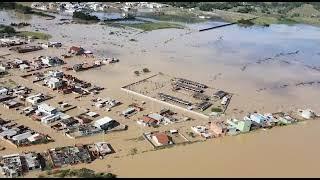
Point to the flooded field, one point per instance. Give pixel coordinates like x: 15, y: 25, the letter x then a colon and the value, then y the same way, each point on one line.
x: 266, y: 68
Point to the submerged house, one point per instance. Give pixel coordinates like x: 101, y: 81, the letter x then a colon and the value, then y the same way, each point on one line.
x: 241, y: 125
x: 106, y: 123
x: 76, y: 50
x: 307, y: 114
x: 161, y: 139
x: 257, y: 118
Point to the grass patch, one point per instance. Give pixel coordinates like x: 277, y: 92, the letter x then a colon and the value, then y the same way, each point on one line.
x: 23, y: 9
x: 150, y: 26
x: 36, y: 35
x: 78, y: 173
x: 216, y: 109
x: 176, y: 18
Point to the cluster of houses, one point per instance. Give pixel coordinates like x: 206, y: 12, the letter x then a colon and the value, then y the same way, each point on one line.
x: 66, y: 83
x: 102, y: 125
x: 164, y: 117
x: 9, y: 42
x: 107, y: 102
x: 32, y: 65
x: 79, y: 51
x: 51, y: 44
x: 71, y: 7
x: 17, y: 165
x: 161, y: 139
x: 149, y: 5
x: 250, y: 122
x: 19, y: 135
x: 25, y: 49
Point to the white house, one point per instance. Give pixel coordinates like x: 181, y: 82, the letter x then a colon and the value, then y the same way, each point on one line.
x: 3, y: 91
x: 102, y: 121
x: 47, y: 109
x: 56, y: 74
x: 35, y: 99
x: 54, y: 83
x: 307, y: 114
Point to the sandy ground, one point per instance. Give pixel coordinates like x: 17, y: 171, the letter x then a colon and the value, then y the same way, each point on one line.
x: 286, y: 152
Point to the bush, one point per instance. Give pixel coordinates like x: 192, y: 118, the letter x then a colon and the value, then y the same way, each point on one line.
x: 85, y: 16
x: 85, y: 173
x: 137, y: 73
x: 146, y: 70
x: 216, y: 110
x: 7, y: 29
x: 133, y: 151
x: 246, y: 10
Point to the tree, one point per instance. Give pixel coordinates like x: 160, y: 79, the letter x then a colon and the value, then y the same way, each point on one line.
x: 137, y: 73
x: 145, y: 70
x: 84, y: 16
x: 133, y: 151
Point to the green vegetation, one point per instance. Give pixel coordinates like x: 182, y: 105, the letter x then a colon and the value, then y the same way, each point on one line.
x: 79, y: 173
x: 150, y: 26
x: 85, y: 16
x: 268, y: 12
x: 184, y: 18
x: 22, y: 9
x: 244, y: 22
x: 7, y: 29
x: 216, y: 109
x: 36, y: 35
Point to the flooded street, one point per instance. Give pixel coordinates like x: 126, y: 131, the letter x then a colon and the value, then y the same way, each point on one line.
x: 253, y: 63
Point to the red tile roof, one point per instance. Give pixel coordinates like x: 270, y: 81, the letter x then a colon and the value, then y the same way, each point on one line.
x: 74, y: 48
x: 148, y: 119
x: 162, y: 138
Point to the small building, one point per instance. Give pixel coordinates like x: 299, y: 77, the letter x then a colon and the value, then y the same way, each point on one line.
x: 106, y: 123
x: 56, y: 74
x: 219, y: 128
x: 68, y: 122
x: 220, y: 94
x: 31, y: 161
x: 128, y: 111
x: 202, y: 131
x: 257, y: 118
x: 161, y: 139
x: 241, y: 125
x: 307, y: 114
x: 225, y: 100
x: 51, y: 61
x: 10, y: 104
x: 4, y: 91
x: 47, y: 109
x: 24, y: 67
x: 35, y: 99
x: 148, y: 121
x: 54, y: 83
x: 11, y: 166
x: 76, y: 50
x: 92, y: 114
x: 103, y: 148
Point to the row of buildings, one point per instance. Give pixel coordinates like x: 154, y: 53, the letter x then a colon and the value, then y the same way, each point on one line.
x: 19, y: 135
x: 16, y: 165
x: 250, y: 122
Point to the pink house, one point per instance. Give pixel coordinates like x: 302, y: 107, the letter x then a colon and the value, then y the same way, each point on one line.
x: 219, y: 128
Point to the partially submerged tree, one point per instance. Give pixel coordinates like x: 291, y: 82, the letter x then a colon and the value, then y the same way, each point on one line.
x: 137, y: 73
x: 145, y: 70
